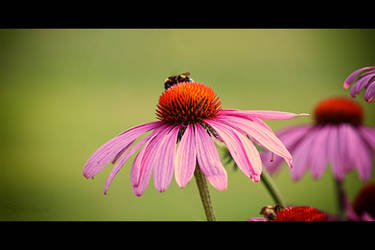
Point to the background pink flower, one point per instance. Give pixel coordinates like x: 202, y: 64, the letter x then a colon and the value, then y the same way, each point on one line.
x: 338, y: 138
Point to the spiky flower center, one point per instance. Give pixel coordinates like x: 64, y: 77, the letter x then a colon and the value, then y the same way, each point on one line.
x: 338, y: 110
x: 301, y: 214
x: 187, y: 103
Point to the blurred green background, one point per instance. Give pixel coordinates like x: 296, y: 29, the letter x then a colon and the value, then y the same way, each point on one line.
x: 65, y: 92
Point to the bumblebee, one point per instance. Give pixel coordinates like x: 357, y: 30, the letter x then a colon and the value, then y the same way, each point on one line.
x: 270, y: 212
x: 172, y: 80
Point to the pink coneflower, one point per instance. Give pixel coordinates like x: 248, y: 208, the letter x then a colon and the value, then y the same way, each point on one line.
x: 190, y: 118
x: 365, y: 81
x: 294, y: 213
x: 338, y: 138
x: 193, y: 110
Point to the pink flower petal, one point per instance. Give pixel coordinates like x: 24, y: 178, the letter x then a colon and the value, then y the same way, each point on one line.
x: 361, y: 154
x: 209, y: 159
x: 345, y: 152
x: 165, y: 160
x: 301, y: 156
x: 262, y: 135
x: 140, y: 172
x: 318, y: 152
x: 242, y: 150
x: 370, y: 92
x: 353, y: 75
x: 262, y: 114
x: 368, y: 134
x: 333, y: 151
x: 186, y: 157
x: 290, y: 137
x: 104, y: 154
x: 127, y: 155
x: 361, y: 83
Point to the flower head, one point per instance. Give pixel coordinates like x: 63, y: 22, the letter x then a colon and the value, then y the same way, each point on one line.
x: 190, y: 119
x: 294, y: 213
x: 337, y: 137
x: 365, y: 81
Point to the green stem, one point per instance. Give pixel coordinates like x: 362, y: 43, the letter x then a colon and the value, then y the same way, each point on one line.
x: 204, y: 194
x: 271, y: 188
x: 340, y: 192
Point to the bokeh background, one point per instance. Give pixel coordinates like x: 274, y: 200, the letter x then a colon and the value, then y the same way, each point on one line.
x: 64, y: 92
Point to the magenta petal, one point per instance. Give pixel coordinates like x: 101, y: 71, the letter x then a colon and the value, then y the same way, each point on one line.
x: 140, y: 172
x: 353, y: 75
x: 290, y: 137
x: 333, y: 151
x: 361, y: 154
x: 241, y: 149
x: 370, y: 92
x: 368, y: 134
x: 262, y: 135
x: 346, y: 153
x: 262, y: 114
x: 127, y: 155
x: 185, y: 157
x: 165, y: 160
x: 301, y: 156
x: 209, y: 159
x: 104, y: 154
x: 361, y: 83
x: 318, y: 152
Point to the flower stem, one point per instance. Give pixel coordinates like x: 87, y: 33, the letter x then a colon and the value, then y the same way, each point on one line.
x: 340, y: 192
x: 204, y: 194
x: 270, y: 186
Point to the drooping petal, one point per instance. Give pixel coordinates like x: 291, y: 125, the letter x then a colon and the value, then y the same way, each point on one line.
x: 318, y: 152
x: 344, y: 150
x: 242, y: 150
x: 209, y: 159
x: 186, y: 157
x: 140, y: 172
x: 104, y: 154
x: 361, y: 154
x: 301, y: 156
x: 333, y: 151
x: 290, y: 137
x: 262, y: 135
x: 361, y: 83
x: 368, y: 134
x: 262, y: 114
x: 165, y: 160
x: 370, y: 92
x: 127, y: 155
x: 353, y: 75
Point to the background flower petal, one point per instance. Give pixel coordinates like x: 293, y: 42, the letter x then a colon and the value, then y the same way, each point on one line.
x: 353, y: 75
x: 370, y: 92
x: 318, y: 151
